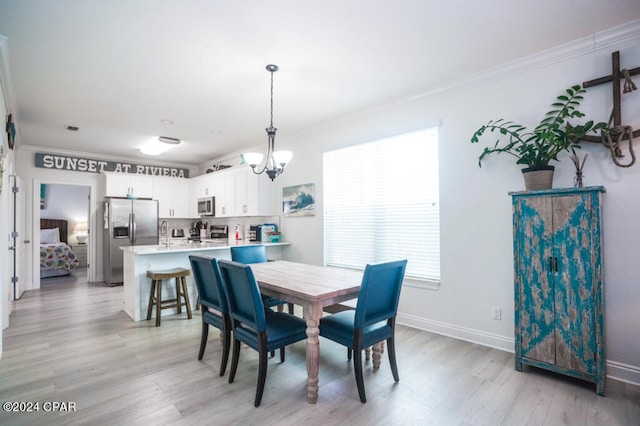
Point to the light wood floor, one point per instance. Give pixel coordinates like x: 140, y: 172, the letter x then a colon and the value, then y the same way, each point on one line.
x: 71, y: 342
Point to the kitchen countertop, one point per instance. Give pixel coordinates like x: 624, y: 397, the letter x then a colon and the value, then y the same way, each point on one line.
x: 195, y: 246
x: 137, y: 260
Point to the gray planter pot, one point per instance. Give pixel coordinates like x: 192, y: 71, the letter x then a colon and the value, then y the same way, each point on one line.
x: 539, y: 177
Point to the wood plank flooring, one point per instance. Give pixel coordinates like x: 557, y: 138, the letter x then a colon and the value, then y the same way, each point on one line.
x: 70, y: 341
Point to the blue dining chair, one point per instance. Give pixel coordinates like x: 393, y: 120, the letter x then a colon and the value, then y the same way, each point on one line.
x: 374, y: 318
x: 215, y: 308
x: 257, y: 254
x: 261, y: 329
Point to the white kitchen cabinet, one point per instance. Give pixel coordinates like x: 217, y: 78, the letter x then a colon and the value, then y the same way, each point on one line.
x: 254, y: 193
x: 238, y: 192
x: 224, y: 191
x: 172, y: 195
x: 201, y: 186
x: 126, y: 184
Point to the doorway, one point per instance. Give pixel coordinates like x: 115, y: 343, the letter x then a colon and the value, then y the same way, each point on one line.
x: 71, y: 203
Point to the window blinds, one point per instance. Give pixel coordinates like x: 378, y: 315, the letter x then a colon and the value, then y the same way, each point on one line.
x: 381, y: 203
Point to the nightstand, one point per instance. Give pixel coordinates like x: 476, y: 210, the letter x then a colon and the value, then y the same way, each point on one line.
x: 81, y: 253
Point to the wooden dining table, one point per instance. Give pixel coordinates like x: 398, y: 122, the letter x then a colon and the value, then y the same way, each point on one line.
x: 312, y: 287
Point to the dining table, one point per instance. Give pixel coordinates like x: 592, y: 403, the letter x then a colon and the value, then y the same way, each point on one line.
x: 313, y: 287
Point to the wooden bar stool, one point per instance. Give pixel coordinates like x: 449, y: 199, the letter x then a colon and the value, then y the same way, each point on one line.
x: 155, y: 295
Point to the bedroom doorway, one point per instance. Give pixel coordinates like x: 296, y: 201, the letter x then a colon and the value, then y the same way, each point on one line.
x: 70, y: 203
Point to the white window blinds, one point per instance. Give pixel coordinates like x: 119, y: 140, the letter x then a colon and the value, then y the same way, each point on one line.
x: 381, y: 203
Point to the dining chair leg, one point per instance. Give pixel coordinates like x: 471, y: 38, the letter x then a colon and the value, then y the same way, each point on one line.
x: 225, y: 348
x: 357, y: 368
x: 349, y: 352
x: 234, y: 360
x: 262, y: 375
x: 391, y: 348
x: 203, y: 338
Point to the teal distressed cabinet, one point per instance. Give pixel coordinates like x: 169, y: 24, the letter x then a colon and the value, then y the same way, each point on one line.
x: 559, y: 307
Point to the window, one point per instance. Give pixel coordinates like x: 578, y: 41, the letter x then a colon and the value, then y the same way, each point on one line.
x: 381, y: 203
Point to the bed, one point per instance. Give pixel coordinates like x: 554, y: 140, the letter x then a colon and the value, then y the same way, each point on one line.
x: 56, y: 256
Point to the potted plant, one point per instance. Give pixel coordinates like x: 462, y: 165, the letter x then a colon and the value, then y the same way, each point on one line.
x: 535, y: 149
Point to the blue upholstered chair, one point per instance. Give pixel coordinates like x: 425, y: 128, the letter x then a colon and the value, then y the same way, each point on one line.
x: 374, y: 318
x: 261, y: 329
x: 256, y: 254
x: 215, y: 308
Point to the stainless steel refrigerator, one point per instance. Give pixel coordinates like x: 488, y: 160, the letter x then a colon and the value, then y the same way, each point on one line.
x: 126, y: 223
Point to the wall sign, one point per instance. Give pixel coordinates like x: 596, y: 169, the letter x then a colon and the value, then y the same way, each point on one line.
x: 79, y: 164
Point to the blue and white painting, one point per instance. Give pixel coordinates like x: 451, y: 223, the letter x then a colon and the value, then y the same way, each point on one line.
x: 299, y: 200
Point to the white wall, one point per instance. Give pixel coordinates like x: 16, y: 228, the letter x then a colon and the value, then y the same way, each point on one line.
x: 476, y: 233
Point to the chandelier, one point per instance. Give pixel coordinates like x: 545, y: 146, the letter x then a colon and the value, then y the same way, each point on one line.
x: 276, y: 160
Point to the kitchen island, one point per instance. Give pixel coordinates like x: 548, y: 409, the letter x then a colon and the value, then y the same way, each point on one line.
x: 138, y: 259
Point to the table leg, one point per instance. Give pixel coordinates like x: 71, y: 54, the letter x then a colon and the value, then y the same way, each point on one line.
x: 312, y: 315
x: 377, y: 351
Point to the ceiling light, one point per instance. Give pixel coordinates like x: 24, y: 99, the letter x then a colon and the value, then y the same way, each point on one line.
x: 157, y: 147
x: 276, y: 161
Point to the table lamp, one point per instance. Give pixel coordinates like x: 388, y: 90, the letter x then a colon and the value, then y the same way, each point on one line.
x: 80, y: 232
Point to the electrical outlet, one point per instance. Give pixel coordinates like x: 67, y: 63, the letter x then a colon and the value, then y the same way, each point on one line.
x: 496, y: 313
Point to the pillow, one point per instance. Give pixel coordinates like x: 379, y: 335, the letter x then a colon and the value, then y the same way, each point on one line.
x: 49, y: 236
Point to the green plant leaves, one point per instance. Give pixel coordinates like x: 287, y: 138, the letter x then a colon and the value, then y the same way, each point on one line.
x: 549, y: 138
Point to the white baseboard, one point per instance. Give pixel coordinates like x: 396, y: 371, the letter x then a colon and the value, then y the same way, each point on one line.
x: 615, y: 370
x: 623, y: 372
x: 462, y: 333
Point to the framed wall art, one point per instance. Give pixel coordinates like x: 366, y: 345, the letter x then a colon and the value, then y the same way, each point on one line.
x: 299, y: 200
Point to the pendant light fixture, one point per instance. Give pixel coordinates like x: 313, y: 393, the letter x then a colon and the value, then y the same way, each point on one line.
x: 276, y: 160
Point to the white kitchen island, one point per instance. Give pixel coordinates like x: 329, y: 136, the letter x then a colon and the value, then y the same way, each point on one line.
x: 138, y: 259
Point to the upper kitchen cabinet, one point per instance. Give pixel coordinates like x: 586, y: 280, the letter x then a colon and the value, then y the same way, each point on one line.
x: 126, y: 184
x: 237, y: 191
x: 255, y: 193
x: 173, y: 197
x: 201, y: 186
x: 224, y: 193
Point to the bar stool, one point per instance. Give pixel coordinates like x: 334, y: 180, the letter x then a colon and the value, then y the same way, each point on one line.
x: 155, y: 295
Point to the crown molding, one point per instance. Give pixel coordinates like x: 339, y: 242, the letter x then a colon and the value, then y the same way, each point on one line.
x: 561, y: 53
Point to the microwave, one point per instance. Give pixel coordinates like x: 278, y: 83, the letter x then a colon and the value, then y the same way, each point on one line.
x: 207, y: 206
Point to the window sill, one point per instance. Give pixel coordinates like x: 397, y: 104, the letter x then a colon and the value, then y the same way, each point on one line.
x: 421, y: 284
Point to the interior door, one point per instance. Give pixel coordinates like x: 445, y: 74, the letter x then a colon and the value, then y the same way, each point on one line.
x: 17, y: 247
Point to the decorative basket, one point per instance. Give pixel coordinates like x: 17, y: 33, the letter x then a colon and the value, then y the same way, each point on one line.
x: 274, y: 237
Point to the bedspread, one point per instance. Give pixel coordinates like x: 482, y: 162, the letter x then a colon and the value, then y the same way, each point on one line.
x: 57, y: 256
